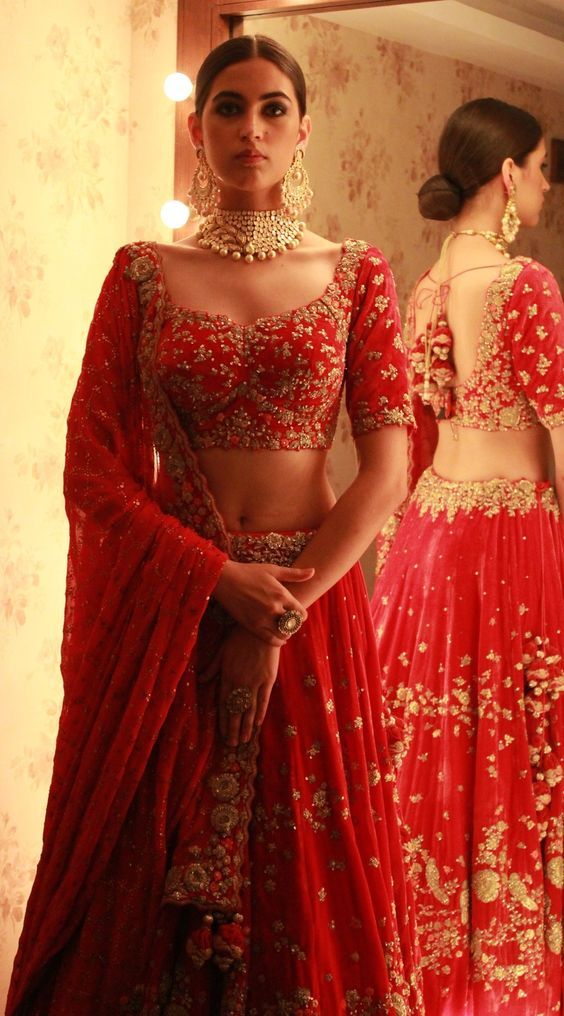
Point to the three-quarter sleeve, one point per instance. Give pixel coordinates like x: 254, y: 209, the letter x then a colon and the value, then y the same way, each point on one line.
x: 536, y: 320
x: 376, y: 373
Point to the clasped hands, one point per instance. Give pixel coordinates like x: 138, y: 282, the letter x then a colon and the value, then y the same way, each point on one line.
x: 247, y: 661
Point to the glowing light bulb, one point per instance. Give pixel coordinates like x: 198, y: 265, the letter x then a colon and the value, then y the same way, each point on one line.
x: 175, y: 214
x: 177, y: 86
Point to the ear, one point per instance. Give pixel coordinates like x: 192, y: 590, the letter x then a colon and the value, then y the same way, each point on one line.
x: 304, y: 132
x: 195, y: 130
x: 508, y: 168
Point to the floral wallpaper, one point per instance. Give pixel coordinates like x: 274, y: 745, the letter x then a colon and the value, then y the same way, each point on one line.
x: 378, y: 108
x: 87, y: 162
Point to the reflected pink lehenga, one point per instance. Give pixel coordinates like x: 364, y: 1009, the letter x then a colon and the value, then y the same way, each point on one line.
x: 179, y: 877
x: 469, y: 617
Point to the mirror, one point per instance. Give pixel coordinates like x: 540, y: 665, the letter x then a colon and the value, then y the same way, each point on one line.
x: 382, y: 80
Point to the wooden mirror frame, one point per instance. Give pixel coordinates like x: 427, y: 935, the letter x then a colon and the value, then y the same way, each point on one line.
x: 202, y: 24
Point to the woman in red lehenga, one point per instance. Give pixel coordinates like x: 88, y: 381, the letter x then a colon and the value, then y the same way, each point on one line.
x: 469, y: 608
x: 191, y: 864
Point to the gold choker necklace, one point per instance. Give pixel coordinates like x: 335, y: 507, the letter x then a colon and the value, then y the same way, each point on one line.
x: 249, y: 235
x: 498, y: 240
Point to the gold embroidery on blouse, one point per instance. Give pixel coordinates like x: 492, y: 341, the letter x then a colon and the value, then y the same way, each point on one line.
x: 276, y: 383
x: 493, y: 397
x: 434, y: 495
x: 193, y: 503
x: 490, y: 399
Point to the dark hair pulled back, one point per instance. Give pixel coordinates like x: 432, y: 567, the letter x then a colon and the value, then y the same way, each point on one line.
x: 247, y: 47
x: 475, y: 141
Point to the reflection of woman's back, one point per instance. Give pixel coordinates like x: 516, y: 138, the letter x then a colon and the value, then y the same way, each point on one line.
x: 185, y: 871
x: 468, y: 607
x: 467, y: 311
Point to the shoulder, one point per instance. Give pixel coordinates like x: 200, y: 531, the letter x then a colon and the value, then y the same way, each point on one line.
x: 136, y: 273
x: 367, y: 265
x: 365, y: 252
x: 532, y: 279
x: 137, y: 261
x: 534, y: 271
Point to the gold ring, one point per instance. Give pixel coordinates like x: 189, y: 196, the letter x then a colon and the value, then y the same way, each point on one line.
x: 289, y: 622
x: 238, y: 701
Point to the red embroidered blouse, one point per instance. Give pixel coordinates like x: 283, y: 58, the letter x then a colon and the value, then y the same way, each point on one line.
x: 518, y: 378
x: 277, y: 383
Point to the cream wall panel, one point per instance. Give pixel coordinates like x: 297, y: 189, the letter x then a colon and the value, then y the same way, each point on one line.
x: 87, y: 161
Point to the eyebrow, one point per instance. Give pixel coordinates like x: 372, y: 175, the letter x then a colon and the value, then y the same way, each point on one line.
x: 237, y: 95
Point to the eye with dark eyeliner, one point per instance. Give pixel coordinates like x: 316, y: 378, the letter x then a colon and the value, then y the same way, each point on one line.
x: 274, y: 109
x: 227, y: 107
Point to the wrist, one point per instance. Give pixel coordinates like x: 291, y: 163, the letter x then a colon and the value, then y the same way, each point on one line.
x: 224, y: 580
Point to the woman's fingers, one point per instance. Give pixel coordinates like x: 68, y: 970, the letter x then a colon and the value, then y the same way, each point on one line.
x: 293, y: 574
x: 255, y: 596
x: 263, y: 698
x: 248, y: 672
x: 239, y: 728
x: 236, y: 713
x: 248, y: 724
x: 232, y: 732
x: 268, y: 635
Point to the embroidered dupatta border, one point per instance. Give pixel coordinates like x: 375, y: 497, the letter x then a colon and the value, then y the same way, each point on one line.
x: 169, y: 446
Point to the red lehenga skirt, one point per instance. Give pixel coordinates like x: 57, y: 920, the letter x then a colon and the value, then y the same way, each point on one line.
x: 295, y: 838
x: 469, y: 617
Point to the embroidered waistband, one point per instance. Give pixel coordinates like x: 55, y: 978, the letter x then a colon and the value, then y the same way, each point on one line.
x: 434, y: 494
x: 276, y: 548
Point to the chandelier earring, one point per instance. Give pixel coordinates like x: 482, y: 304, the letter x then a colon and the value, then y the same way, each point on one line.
x: 510, y: 221
x: 296, y: 191
x: 203, y: 194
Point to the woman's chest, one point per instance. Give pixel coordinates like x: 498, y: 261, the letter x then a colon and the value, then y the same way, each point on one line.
x: 306, y: 347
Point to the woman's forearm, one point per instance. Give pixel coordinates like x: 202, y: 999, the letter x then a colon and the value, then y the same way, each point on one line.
x: 350, y: 526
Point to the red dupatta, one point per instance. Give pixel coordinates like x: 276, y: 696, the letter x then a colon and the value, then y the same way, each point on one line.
x: 139, y: 582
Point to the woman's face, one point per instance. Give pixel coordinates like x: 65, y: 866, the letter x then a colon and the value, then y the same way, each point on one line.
x: 531, y: 185
x: 249, y: 128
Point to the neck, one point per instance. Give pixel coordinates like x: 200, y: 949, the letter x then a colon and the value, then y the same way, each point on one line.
x: 490, y: 223
x: 250, y: 201
x: 490, y: 235
x: 250, y: 234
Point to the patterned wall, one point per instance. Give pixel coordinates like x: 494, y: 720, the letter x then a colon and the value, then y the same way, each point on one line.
x: 87, y: 161
x: 378, y: 108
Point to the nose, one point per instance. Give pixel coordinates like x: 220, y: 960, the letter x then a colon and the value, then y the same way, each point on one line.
x: 251, y: 129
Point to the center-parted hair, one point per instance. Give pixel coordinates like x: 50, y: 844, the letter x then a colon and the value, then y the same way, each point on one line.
x: 248, y: 47
x: 475, y: 141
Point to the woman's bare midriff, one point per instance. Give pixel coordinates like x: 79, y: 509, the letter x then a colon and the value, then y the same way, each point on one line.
x: 268, y: 491
x: 465, y: 453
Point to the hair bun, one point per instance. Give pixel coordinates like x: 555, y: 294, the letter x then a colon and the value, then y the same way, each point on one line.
x: 440, y: 198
